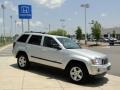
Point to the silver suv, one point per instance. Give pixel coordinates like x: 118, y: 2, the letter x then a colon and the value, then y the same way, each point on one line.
x: 60, y: 52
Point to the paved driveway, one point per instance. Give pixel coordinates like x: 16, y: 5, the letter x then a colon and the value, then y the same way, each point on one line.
x: 39, y: 77
x: 6, y: 52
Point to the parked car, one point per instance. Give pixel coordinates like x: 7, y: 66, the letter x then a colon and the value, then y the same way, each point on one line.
x: 113, y: 41
x: 60, y: 52
x: 106, y: 39
x: 76, y: 41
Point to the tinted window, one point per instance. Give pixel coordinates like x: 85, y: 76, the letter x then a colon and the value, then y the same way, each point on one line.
x: 49, y: 42
x: 36, y: 40
x: 23, y: 38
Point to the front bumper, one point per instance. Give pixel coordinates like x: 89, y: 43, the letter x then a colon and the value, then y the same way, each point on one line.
x: 99, y: 69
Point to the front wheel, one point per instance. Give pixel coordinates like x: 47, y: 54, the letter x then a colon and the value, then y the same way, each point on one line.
x: 23, y: 62
x: 77, y: 73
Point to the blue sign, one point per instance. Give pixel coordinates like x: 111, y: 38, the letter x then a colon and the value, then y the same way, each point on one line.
x: 25, y: 11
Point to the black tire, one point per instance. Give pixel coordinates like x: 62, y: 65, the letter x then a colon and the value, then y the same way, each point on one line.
x: 84, y: 70
x: 26, y: 62
x: 111, y: 44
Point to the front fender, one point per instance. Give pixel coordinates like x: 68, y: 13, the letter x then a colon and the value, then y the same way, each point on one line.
x: 78, y: 58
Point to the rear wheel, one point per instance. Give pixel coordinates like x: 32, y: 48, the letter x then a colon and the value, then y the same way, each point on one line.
x: 23, y: 62
x: 77, y: 73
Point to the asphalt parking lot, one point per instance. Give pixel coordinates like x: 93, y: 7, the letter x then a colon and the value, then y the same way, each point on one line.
x: 40, y: 77
x: 113, y: 52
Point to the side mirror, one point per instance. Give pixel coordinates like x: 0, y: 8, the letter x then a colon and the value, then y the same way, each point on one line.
x: 57, y: 46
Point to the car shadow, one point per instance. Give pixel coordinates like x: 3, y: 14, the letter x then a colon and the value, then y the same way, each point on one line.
x: 115, y: 45
x: 54, y: 73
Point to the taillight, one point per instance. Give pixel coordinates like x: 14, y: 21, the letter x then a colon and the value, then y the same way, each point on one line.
x: 14, y: 44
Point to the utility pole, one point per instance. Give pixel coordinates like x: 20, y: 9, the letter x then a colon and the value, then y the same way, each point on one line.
x: 85, y: 6
x: 3, y: 8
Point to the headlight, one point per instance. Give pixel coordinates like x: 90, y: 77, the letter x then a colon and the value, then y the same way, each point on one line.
x: 97, y: 61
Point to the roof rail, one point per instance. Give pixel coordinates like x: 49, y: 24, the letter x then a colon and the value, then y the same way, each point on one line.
x: 35, y: 32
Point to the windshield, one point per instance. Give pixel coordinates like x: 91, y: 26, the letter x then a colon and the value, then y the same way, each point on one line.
x: 68, y: 43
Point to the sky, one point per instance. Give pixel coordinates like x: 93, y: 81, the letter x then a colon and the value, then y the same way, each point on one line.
x: 45, y: 12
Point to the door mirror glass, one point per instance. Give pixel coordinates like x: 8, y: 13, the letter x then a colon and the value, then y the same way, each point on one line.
x: 57, y: 46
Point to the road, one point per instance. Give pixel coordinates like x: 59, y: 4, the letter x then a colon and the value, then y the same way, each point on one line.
x: 112, y: 52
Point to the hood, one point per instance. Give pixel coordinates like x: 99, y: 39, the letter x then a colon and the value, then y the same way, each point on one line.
x: 87, y: 53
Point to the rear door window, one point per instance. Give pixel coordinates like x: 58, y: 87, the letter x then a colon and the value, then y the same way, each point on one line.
x: 35, y: 40
x: 23, y: 38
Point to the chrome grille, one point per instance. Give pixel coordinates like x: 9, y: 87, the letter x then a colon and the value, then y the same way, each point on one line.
x: 105, y: 61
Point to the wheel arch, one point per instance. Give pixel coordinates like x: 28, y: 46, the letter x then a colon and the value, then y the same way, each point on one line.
x: 76, y: 62
x: 21, y: 52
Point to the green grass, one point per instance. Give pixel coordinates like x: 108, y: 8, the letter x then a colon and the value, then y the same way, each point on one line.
x: 8, y: 41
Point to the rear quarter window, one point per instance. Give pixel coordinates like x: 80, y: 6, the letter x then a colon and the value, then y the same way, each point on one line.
x: 23, y: 38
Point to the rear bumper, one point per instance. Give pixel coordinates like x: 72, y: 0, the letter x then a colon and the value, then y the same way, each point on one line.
x: 100, y: 69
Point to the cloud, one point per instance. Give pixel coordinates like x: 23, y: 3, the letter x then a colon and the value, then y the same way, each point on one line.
x: 18, y: 23
x: 103, y: 15
x: 36, y: 24
x: 10, y: 6
x: 50, y: 3
x: 76, y: 13
x: 69, y: 19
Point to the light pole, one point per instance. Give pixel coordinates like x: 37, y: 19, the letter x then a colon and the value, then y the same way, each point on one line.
x: 91, y: 23
x: 15, y: 26
x: 49, y: 27
x: 11, y: 29
x: 62, y: 24
x: 85, y: 6
x: 3, y: 8
x: 23, y: 21
x: 22, y: 25
x: 28, y: 25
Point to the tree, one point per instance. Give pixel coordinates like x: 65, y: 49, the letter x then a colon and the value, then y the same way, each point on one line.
x: 114, y: 34
x: 78, y: 33
x: 59, y: 32
x: 96, y: 30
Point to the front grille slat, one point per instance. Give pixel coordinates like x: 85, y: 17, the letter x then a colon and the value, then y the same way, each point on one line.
x: 104, y: 61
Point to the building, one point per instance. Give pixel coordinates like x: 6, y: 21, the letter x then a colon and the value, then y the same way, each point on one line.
x: 108, y: 32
